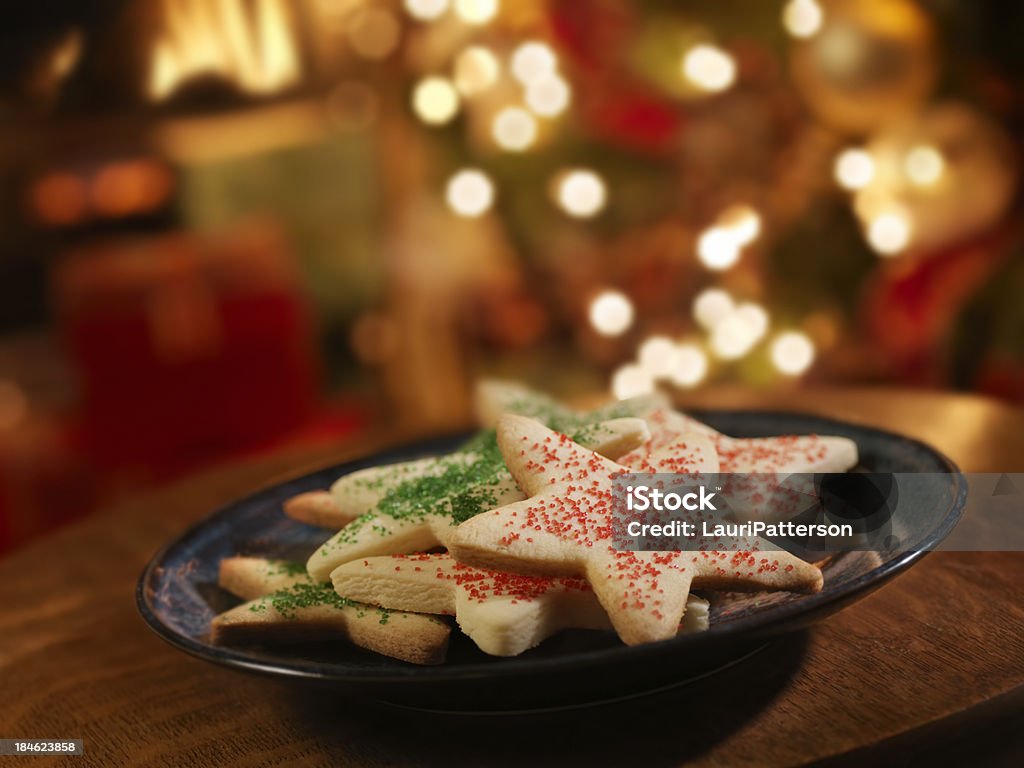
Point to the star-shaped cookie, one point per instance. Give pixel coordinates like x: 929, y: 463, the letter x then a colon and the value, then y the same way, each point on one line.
x: 765, y: 478
x: 422, y: 511
x: 360, y: 493
x: 503, y: 613
x: 494, y: 398
x: 565, y: 527
x: 286, y: 606
x: 784, y: 454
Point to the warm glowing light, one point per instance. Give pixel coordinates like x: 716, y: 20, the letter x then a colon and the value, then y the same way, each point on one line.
x: 374, y: 33
x: 533, y: 61
x: 802, y: 18
x: 735, y: 334
x: 872, y: 201
x: 711, y: 306
x: 276, y: 63
x: 59, y: 198
x: 581, y: 193
x: 631, y: 381
x: 743, y: 222
x: 889, y: 233
x: 252, y: 45
x: 13, y: 404
x: 709, y: 68
x: 792, y: 353
x: 755, y: 318
x: 657, y: 356
x: 689, y: 365
x: 548, y: 96
x: 720, y: 245
x: 435, y: 100
x: 425, y: 10
x: 470, y: 193
x: 130, y: 187
x: 611, y: 313
x: 66, y: 55
x: 732, y: 338
x: 854, y: 169
x: 476, y: 11
x: 924, y: 165
x: 718, y: 248
x: 515, y: 129
x: 476, y: 70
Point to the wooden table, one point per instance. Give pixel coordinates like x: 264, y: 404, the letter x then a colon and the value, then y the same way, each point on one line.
x: 934, y: 661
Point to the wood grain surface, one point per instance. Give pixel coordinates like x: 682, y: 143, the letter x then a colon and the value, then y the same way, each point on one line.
x: 930, y: 660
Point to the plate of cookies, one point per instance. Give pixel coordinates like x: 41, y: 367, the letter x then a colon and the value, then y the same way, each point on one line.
x: 478, y: 573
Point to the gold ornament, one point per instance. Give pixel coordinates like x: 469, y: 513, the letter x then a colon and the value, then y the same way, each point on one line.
x: 871, y: 61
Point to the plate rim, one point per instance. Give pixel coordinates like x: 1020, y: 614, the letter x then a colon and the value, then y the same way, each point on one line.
x: 757, y: 625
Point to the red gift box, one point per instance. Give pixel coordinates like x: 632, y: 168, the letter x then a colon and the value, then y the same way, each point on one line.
x: 188, y: 347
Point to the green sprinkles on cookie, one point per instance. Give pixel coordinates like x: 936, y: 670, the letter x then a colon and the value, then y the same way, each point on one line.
x: 288, y: 600
x: 446, y: 491
x: 462, y: 489
x: 285, y: 568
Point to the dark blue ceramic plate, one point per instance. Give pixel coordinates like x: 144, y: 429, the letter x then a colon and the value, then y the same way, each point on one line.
x: 178, y: 596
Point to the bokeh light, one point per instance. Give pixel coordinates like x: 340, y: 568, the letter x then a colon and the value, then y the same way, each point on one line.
x: 657, y: 356
x: 743, y: 222
x: 718, y: 248
x: 709, y: 68
x: 59, y: 198
x: 737, y: 333
x: 476, y: 11
x: 792, y: 353
x: 476, y: 70
x: 533, y: 61
x: 514, y: 129
x: 435, y: 100
x: 426, y: 10
x: 802, y: 18
x: 470, y: 193
x: 548, y: 96
x: 689, y: 365
x: 854, y: 169
x: 711, y: 306
x: 130, y: 187
x: 756, y: 319
x: 631, y: 381
x: 611, y: 313
x: 581, y: 193
x: 924, y: 165
x: 889, y: 233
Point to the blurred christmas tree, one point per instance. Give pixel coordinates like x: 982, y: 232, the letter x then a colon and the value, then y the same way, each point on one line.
x: 745, y: 191
x: 754, y: 191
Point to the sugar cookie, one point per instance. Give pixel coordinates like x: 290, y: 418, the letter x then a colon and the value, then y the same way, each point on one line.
x: 317, y: 508
x: 252, y: 577
x: 565, y: 525
x: 495, y: 397
x: 784, y: 454
x: 504, y: 614
x: 766, y: 478
x: 421, y: 511
x: 298, y: 610
x: 359, y: 493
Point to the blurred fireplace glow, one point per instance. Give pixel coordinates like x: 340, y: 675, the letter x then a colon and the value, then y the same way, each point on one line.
x: 251, y: 45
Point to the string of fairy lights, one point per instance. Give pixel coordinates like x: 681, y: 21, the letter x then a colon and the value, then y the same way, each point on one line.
x: 729, y: 329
